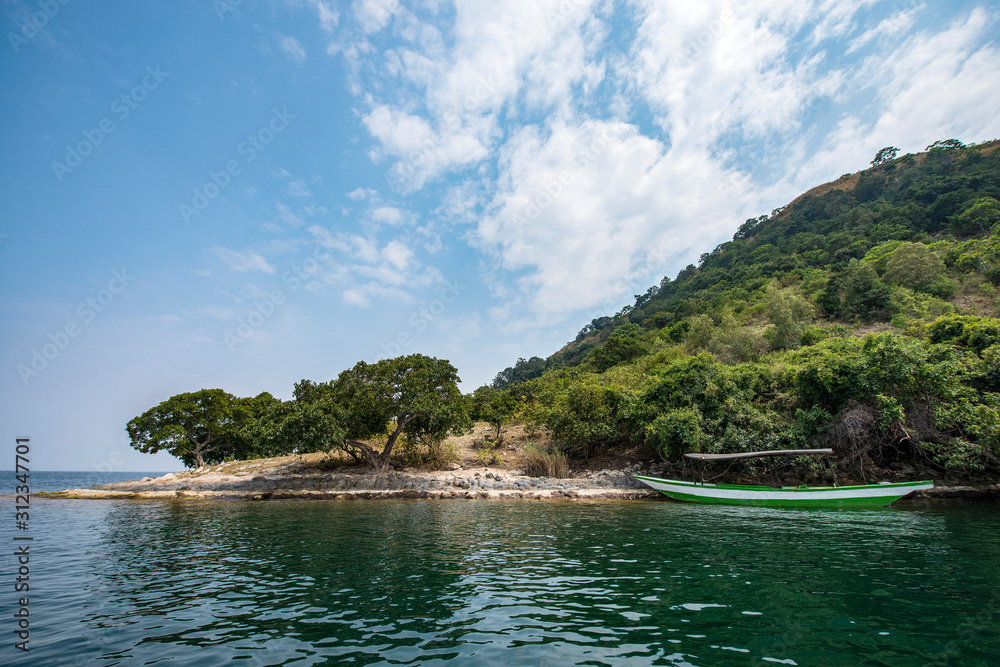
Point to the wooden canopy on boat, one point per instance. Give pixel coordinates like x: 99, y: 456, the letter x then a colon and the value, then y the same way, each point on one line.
x: 751, y: 455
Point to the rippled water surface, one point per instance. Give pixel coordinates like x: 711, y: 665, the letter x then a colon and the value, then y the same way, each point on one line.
x: 512, y: 583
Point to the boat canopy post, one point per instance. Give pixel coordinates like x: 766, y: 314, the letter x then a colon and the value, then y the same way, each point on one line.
x: 832, y: 471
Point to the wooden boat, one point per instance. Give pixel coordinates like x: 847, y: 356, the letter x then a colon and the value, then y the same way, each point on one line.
x: 861, y: 495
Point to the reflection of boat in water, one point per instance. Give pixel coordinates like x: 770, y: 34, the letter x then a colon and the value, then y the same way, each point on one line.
x: 861, y: 495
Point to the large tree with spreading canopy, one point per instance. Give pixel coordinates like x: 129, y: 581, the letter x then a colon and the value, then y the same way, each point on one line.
x: 415, y: 396
x: 196, y: 427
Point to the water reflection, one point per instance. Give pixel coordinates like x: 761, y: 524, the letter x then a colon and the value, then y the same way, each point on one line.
x: 421, y: 582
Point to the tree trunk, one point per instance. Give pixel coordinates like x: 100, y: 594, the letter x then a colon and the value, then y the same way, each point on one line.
x: 383, y: 459
x: 380, y: 461
x: 199, y: 447
x: 370, y: 454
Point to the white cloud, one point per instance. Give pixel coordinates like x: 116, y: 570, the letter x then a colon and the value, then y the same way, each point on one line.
x: 293, y: 48
x: 372, y: 269
x: 707, y: 70
x: 489, y: 108
x: 298, y: 189
x: 328, y: 16
x: 326, y: 11
x: 243, y: 260
x: 397, y: 254
x: 287, y: 216
x: 591, y: 209
x: 389, y: 215
x: 896, y: 24
x: 359, y: 194
x: 521, y: 53
x: 373, y: 15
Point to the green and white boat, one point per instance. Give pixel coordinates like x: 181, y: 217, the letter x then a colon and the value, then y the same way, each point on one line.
x: 861, y: 495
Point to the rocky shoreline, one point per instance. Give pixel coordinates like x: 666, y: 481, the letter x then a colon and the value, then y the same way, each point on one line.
x: 253, y: 481
x: 318, y: 485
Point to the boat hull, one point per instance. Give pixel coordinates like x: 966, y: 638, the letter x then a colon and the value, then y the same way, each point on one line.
x: 867, y: 495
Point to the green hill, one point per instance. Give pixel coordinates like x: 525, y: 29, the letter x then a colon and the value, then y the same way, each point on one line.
x: 862, y: 316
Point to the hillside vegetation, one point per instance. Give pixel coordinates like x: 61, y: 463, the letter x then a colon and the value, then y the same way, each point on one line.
x: 860, y: 316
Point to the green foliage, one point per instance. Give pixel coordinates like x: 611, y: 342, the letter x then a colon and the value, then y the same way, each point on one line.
x: 199, y: 428
x: 494, y: 407
x: 489, y: 456
x: 310, y: 423
x: 732, y: 343
x: 522, y: 371
x: 676, y: 432
x: 677, y: 331
x: 976, y: 333
x: 539, y: 462
x: 865, y: 297
x: 980, y: 218
x: 701, y: 332
x: 623, y: 345
x: 885, y: 155
x: 413, y: 395
x: 914, y: 265
x: 585, y: 416
x: 790, y: 314
x: 946, y: 144
x: 878, y: 256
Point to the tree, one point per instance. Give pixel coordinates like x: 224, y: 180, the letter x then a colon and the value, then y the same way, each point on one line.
x: 980, y: 217
x: 494, y: 407
x: 584, y: 416
x: 624, y: 344
x: 524, y: 370
x: 195, y: 427
x: 310, y: 423
x: 258, y: 417
x: 866, y: 297
x: 913, y: 265
x: 946, y: 144
x: 790, y: 314
x: 887, y: 154
x: 413, y: 395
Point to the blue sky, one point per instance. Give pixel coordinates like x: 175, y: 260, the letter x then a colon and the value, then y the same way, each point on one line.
x: 242, y: 194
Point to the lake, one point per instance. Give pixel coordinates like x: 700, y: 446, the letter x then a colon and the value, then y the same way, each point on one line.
x: 504, y: 582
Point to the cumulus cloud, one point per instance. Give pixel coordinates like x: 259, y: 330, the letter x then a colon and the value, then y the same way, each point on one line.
x: 585, y: 211
x: 373, y: 15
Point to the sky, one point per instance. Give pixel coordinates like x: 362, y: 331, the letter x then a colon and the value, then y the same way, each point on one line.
x: 245, y: 193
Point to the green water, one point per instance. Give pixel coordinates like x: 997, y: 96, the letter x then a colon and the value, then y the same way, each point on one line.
x: 511, y: 583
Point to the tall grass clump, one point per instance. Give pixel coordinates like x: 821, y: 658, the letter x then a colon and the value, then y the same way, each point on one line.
x: 541, y: 463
